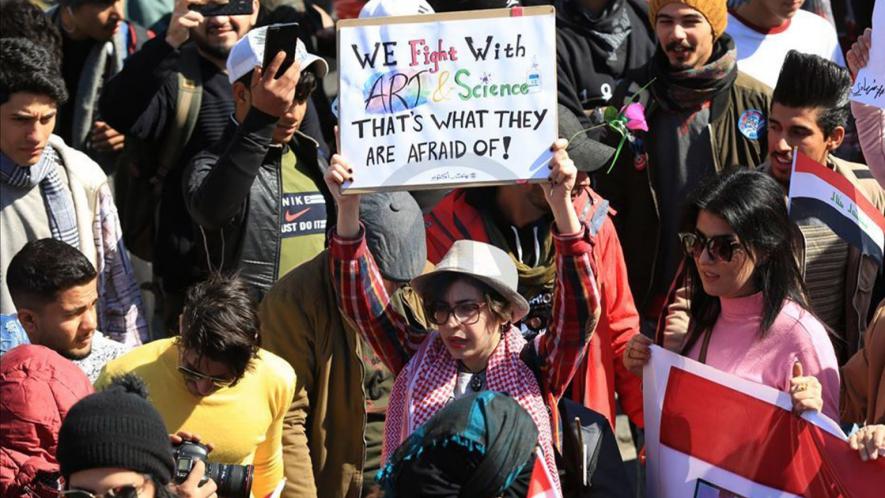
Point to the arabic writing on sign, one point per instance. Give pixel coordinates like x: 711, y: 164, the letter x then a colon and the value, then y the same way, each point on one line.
x: 836, y: 199
x: 453, y: 176
x: 871, y: 88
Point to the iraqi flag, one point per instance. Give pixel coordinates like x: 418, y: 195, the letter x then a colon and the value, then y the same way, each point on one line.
x: 541, y: 483
x: 817, y: 192
x: 710, y: 434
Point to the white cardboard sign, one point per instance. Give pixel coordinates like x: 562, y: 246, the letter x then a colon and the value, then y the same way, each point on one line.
x: 672, y: 473
x: 869, y: 85
x: 450, y: 99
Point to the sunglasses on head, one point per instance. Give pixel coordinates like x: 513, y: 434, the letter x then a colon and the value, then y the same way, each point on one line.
x: 125, y: 491
x: 719, y: 247
x: 195, y: 376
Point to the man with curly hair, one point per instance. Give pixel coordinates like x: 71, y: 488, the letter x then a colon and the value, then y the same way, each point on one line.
x: 51, y: 190
x: 23, y: 19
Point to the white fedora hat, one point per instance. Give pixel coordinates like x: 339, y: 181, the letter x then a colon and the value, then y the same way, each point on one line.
x: 486, y: 263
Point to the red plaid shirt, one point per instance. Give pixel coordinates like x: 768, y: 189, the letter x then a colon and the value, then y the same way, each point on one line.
x: 363, y: 298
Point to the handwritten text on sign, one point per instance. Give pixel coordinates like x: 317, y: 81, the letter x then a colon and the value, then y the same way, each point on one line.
x: 445, y: 102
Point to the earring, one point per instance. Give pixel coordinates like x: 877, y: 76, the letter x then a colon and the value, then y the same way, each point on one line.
x: 68, y: 29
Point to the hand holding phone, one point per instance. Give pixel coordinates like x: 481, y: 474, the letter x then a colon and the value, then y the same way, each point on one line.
x: 183, y: 19
x: 280, y: 38
x: 272, y: 95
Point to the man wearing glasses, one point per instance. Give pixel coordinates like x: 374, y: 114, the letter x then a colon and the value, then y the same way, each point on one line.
x: 214, y: 380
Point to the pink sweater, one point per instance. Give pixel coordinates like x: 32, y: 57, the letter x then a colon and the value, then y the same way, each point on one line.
x: 871, y: 132
x: 736, y: 347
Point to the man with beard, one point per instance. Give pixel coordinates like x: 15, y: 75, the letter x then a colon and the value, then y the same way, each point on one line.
x: 96, y: 41
x: 142, y: 101
x: 703, y: 116
x: 597, y: 42
x: 54, y: 288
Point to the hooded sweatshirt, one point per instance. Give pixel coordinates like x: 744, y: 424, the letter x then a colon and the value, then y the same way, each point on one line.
x: 594, y: 52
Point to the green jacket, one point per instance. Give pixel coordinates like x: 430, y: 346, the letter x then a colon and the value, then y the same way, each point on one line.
x: 631, y: 190
x: 324, y: 442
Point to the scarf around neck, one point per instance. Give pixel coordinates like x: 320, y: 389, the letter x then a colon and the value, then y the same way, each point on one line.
x: 56, y: 196
x: 609, y: 30
x: 533, y: 280
x: 427, y: 383
x: 688, y: 89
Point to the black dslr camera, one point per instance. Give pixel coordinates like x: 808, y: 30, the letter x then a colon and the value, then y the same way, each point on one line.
x: 233, y: 481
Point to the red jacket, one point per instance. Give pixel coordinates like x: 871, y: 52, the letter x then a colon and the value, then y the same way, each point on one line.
x: 602, y: 372
x: 37, y: 388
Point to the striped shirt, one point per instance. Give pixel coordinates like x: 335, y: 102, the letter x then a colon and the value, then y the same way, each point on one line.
x: 826, y: 260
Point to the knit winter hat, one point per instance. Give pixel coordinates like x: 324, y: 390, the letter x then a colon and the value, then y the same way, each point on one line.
x: 116, y: 427
x: 715, y: 11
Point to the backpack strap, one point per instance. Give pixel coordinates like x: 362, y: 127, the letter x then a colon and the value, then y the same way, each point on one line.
x: 187, y: 109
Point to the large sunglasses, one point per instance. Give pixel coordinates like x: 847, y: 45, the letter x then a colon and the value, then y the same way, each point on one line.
x: 467, y: 312
x: 720, y: 247
x: 195, y: 376
x: 126, y: 491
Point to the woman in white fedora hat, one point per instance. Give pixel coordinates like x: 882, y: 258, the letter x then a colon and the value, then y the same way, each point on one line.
x: 472, y: 301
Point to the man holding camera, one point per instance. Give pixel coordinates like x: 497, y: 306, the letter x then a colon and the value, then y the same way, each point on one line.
x: 257, y: 196
x: 216, y: 381
x: 114, y: 443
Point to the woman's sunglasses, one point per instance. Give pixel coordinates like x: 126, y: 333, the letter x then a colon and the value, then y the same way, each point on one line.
x: 720, y: 247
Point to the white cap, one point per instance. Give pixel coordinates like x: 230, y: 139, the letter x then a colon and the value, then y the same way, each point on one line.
x: 385, y: 8
x: 249, y: 52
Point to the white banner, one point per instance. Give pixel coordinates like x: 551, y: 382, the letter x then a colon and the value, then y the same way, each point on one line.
x: 443, y: 100
x: 712, y: 434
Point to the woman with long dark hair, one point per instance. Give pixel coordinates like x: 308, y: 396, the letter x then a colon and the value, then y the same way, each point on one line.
x: 749, y: 313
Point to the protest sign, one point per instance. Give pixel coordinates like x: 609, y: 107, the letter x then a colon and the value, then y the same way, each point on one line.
x: 712, y: 434
x: 869, y: 85
x: 466, y: 98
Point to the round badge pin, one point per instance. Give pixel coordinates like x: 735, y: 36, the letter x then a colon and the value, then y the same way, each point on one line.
x: 640, y: 161
x: 751, y: 123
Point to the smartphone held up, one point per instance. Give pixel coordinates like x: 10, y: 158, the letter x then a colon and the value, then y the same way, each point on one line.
x: 280, y: 38
x: 224, y: 8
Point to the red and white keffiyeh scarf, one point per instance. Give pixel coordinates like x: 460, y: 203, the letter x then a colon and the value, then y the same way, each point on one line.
x: 427, y: 384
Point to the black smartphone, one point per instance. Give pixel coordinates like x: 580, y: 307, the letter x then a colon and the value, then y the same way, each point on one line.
x: 231, y: 8
x: 280, y: 38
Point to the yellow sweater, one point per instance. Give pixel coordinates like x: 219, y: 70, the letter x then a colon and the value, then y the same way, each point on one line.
x: 244, y: 422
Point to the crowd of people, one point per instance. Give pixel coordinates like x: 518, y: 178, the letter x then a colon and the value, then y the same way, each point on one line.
x: 160, y: 314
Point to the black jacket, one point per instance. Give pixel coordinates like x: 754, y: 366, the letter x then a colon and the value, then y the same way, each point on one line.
x: 141, y: 102
x: 233, y: 192
x: 584, y: 79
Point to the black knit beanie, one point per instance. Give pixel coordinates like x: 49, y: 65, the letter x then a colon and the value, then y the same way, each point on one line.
x: 117, y: 427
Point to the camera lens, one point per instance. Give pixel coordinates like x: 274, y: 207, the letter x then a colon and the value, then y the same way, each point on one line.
x: 233, y: 481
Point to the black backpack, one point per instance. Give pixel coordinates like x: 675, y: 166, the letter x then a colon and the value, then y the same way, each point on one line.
x: 143, y: 165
